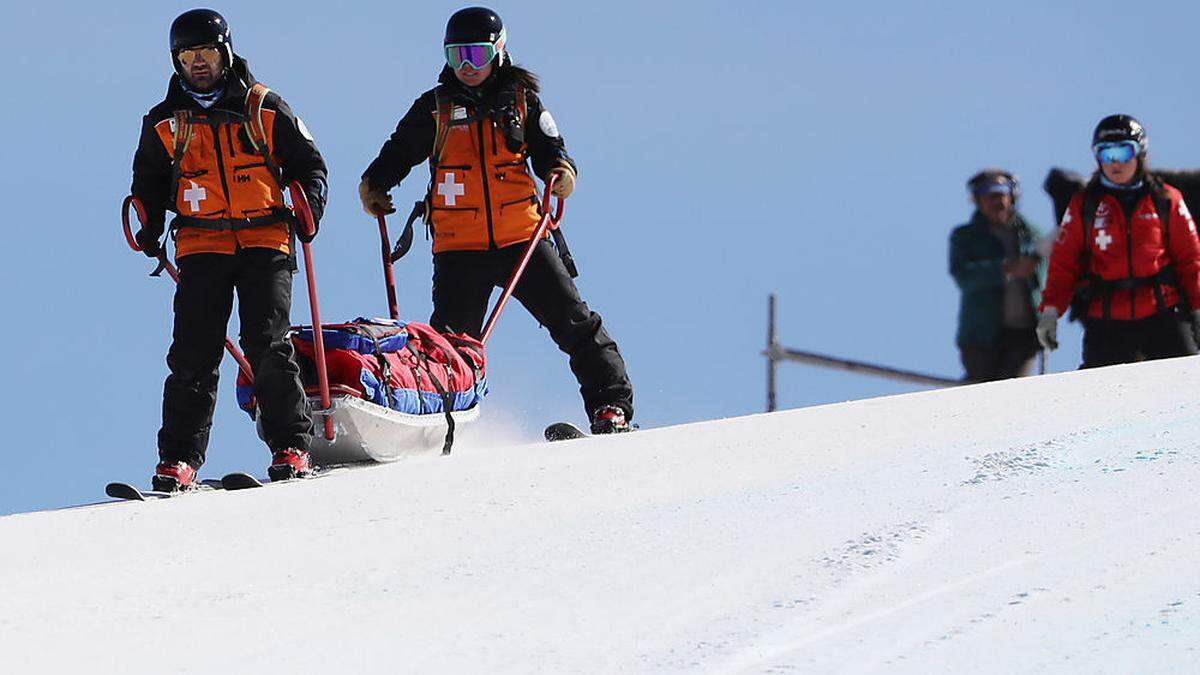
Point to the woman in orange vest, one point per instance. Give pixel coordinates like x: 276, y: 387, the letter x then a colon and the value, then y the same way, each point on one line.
x: 217, y: 152
x: 480, y: 129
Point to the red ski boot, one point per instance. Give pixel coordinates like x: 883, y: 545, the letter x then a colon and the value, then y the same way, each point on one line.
x: 289, y: 463
x: 173, y: 477
x: 609, y: 419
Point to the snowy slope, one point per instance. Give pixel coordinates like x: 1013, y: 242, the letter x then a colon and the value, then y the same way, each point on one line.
x: 1043, y: 525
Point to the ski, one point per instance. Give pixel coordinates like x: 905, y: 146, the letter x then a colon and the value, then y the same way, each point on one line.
x: 563, y: 431
x: 245, y: 481
x: 130, y: 493
x: 239, y: 481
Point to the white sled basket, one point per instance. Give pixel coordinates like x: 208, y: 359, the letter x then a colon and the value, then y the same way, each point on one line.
x: 366, y: 432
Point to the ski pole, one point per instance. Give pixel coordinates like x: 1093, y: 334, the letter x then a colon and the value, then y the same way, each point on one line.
x: 165, y: 264
x: 548, y: 221
x: 304, y: 213
x: 388, y: 278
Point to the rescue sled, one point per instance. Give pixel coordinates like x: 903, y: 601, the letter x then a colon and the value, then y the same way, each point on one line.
x: 389, y: 399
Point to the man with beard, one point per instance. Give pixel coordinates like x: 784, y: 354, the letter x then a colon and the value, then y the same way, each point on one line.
x: 217, y: 152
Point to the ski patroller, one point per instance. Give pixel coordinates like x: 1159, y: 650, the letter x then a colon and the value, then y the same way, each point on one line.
x: 304, y: 216
x: 356, y: 430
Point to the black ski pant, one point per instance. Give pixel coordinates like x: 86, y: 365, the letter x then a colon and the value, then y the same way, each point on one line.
x: 463, y: 282
x: 1162, y: 336
x: 203, y: 303
x: 1011, y: 356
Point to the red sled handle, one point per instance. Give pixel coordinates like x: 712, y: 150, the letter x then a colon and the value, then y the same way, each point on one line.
x: 549, y: 221
x: 141, y: 215
x: 304, y: 214
x: 140, y: 209
x: 389, y: 278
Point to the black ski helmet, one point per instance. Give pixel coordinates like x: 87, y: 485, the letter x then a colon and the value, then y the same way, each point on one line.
x: 200, y: 27
x: 477, y: 24
x: 1117, y: 128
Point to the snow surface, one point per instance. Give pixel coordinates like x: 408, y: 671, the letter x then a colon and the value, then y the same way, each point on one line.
x: 1043, y: 525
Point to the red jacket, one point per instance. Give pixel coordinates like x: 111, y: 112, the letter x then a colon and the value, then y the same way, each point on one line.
x: 1119, y: 251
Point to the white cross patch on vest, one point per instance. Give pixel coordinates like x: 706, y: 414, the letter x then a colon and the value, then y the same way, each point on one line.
x: 1103, y: 240
x: 194, y: 195
x: 450, y: 189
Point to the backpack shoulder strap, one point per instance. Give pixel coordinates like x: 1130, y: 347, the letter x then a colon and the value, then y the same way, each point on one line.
x: 255, y: 97
x: 256, y: 131
x: 441, y: 120
x: 1087, y: 213
x: 1162, y: 205
x: 522, y: 104
x: 182, y: 133
x: 441, y: 115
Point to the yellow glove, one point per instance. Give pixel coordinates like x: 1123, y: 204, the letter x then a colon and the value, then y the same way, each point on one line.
x: 374, y: 202
x: 566, y: 181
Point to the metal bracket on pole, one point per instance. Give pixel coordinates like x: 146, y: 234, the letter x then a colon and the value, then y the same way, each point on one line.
x: 775, y: 353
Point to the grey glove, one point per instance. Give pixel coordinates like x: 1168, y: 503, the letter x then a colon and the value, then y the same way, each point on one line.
x: 1047, y: 329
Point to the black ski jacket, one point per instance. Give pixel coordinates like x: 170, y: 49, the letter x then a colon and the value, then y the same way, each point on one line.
x: 412, y: 142
x: 294, y: 148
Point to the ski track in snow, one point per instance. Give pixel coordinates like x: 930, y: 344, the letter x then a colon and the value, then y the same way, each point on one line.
x: 1033, y: 526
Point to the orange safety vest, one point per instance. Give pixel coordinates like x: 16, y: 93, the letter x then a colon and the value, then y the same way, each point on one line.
x: 228, y: 195
x: 481, y: 194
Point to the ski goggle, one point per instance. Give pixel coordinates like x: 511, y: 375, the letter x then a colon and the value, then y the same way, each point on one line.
x: 992, y: 187
x: 208, y: 53
x: 1116, y: 153
x: 478, y: 54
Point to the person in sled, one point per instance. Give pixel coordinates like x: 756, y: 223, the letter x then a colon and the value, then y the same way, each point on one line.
x: 479, y: 128
x: 1127, y: 258
x: 217, y: 152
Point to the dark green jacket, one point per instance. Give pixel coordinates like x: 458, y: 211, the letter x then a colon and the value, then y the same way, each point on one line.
x: 976, y: 261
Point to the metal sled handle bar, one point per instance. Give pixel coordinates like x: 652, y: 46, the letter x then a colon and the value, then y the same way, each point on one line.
x: 388, y: 278
x: 549, y: 221
x: 236, y: 353
x: 304, y: 213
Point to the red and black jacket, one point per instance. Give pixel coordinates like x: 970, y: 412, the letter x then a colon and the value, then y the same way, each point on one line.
x: 1125, y: 264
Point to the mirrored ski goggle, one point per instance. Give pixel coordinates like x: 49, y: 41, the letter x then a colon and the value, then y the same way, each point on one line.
x: 209, y: 54
x: 1116, y: 153
x: 478, y: 54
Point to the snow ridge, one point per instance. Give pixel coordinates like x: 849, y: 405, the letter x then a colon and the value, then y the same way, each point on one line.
x: 1040, y: 525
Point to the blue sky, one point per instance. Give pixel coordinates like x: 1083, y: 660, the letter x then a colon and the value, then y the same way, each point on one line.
x: 726, y: 151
